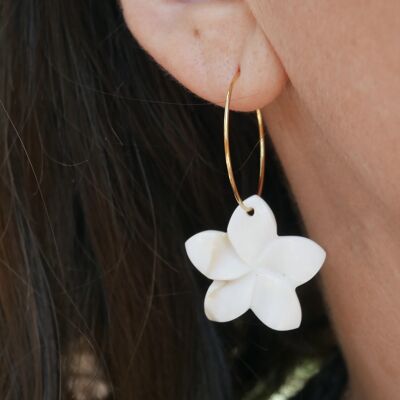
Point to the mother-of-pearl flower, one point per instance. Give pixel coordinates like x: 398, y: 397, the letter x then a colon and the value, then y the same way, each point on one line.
x: 254, y: 268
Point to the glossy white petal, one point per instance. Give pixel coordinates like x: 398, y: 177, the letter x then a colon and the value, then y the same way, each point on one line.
x: 213, y: 255
x: 294, y: 258
x: 250, y: 234
x: 226, y: 301
x: 275, y: 303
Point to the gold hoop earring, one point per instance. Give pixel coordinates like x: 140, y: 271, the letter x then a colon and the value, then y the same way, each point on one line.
x: 228, y: 158
x: 251, y: 266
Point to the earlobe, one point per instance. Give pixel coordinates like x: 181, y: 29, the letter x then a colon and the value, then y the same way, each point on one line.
x: 202, y: 44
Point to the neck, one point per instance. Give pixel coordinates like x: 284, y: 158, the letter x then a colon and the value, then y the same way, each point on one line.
x: 347, y: 190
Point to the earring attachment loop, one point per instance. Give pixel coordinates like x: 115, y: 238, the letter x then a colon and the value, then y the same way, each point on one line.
x: 228, y: 158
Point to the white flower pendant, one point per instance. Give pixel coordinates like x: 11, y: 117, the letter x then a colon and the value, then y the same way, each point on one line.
x: 254, y: 268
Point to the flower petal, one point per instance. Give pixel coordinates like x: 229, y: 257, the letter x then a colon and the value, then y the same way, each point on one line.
x: 295, y: 258
x: 275, y: 303
x: 227, y: 300
x: 213, y: 255
x: 249, y: 234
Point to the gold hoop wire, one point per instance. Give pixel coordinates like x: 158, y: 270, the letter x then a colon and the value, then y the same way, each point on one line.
x: 228, y: 151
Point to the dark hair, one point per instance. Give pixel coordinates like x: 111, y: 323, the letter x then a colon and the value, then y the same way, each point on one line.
x: 107, y: 167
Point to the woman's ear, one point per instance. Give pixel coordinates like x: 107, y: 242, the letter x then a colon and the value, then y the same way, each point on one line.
x: 202, y: 43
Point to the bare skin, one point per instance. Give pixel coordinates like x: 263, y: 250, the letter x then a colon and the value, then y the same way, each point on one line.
x: 327, y: 77
x: 337, y: 130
